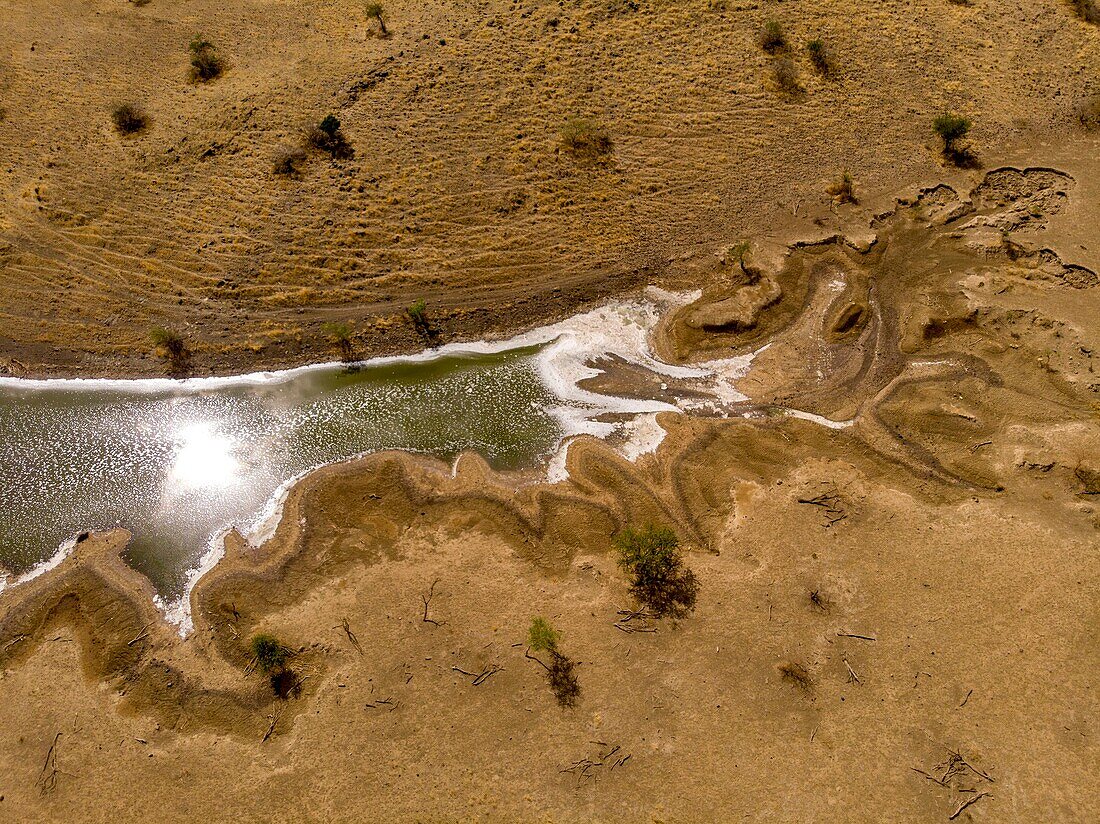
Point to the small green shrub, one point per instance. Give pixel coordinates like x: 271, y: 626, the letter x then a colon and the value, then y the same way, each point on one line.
x: 586, y: 141
x: 659, y: 579
x: 340, y: 334
x: 171, y: 347
x: 820, y: 58
x: 271, y: 656
x: 374, y: 11
x: 771, y: 38
x: 951, y: 128
x: 129, y: 118
x: 417, y: 313
x: 541, y: 637
x: 206, y: 64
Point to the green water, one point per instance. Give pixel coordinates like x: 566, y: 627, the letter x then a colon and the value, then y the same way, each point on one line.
x: 178, y: 464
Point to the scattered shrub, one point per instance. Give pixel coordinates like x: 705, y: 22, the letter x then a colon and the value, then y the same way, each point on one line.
x: 288, y: 161
x: 771, y: 38
x: 205, y: 62
x: 819, y: 600
x: 417, y: 313
x: 340, y: 334
x: 952, y: 128
x: 586, y: 141
x: 129, y: 118
x: 269, y: 653
x: 374, y: 11
x: 171, y: 347
x: 328, y: 137
x: 1087, y: 10
x: 542, y: 637
x: 785, y: 74
x: 820, y: 58
x: 843, y: 189
x: 659, y: 578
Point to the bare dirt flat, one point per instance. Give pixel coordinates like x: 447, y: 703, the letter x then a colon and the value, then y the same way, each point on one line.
x: 899, y: 595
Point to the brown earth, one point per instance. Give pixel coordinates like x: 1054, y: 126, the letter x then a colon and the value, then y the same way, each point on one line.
x: 457, y: 193
x: 898, y: 619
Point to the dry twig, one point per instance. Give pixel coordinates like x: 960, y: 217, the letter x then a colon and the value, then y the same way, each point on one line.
x: 427, y: 599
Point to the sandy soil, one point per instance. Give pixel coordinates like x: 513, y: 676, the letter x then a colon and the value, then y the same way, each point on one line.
x: 947, y: 321
x: 949, y: 534
x: 457, y: 193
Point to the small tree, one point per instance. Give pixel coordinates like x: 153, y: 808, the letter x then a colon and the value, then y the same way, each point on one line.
x: 205, y: 62
x: 820, y: 58
x: 542, y: 637
x: 586, y: 141
x: 951, y: 128
x: 171, y: 347
x: 771, y: 38
x: 340, y: 334
x: 659, y: 579
x: 129, y: 118
x: 417, y: 313
x: 374, y: 12
x: 329, y: 137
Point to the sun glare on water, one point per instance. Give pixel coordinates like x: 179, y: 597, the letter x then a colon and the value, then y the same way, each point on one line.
x: 203, y: 460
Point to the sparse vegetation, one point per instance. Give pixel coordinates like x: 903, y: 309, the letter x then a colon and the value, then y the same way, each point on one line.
x: 1087, y: 10
x: 542, y: 637
x: 339, y: 333
x: 288, y: 161
x: 271, y: 658
x: 328, y: 136
x: 843, y: 189
x: 771, y: 38
x: 586, y: 141
x: 129, y: 118
x: 206, y: 64
x: 374, y: 11
x: 269, y: 652
x: 820, y: 58
x: 785, y: 74
x: 952, y: 128
x: 417, y: 313
x: 171, y: 347
x: 659, y: 579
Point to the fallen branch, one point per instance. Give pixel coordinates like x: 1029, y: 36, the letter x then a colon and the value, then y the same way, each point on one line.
x: 853, y: 635
x: 852, y: 677
x: 427, y: 600
x: 47, y: 778
x: 273, y: 719
x: 144, y: 632
x: 974, y: 800
x: 351, y: 636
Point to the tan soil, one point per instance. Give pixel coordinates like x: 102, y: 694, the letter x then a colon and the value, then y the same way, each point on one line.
x: 457, y: 193
x: 950, y: 532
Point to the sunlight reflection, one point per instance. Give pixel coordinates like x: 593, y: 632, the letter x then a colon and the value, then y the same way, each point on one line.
x: 204, y: 459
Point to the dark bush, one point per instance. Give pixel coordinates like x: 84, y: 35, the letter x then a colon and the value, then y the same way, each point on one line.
x: 1087, y: 10
x: 374, y: 11
x: 270, y: 654
x: 820, y: 58
x: 329, y: 137
x: 586, y: 141
x: 129, y: 118
x: 172, y: 348
x: 843, y: 189
x: 340, y: 334
x: 205, y: 62
x: 659, y: 578
x: 952, y: 128
x: 771, y: 38
x: 541, y: 637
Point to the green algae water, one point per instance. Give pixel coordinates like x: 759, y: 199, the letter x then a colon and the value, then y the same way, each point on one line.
x: 178, y: 464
